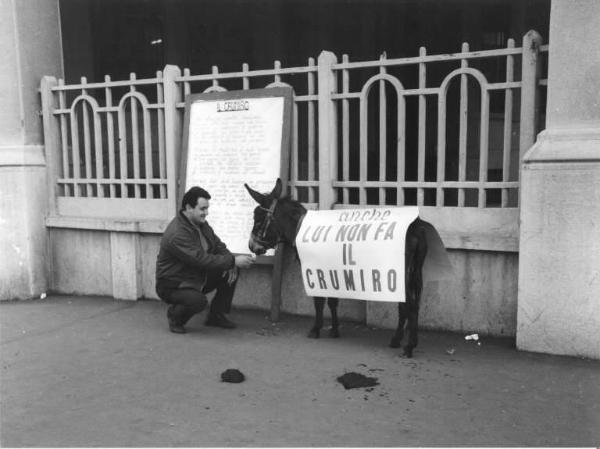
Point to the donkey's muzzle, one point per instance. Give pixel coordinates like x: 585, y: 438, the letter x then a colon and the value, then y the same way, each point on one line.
x: 256, y: 247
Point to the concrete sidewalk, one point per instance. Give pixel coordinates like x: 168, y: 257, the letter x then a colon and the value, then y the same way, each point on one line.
x: 79, y: 371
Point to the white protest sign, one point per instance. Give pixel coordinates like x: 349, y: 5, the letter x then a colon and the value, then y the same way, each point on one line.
x: 355, y: 253
x: 232, y: 142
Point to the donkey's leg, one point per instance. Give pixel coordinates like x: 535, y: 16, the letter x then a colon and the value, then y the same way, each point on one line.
x: 410, y: 249
x: 399, y: 334
x: 413, y: 328
x: 333, y: 303
x: 414, y: 287
x: 319, y: 303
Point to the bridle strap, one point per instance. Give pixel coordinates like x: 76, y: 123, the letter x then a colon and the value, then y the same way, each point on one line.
x: 269, y: 220
x: 260, y: 238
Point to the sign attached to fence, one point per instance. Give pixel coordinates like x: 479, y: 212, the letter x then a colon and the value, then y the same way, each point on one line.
x: 359, y: 253
x: 232, y: 138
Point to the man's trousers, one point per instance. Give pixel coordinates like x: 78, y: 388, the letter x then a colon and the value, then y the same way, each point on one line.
x: 187, y: 301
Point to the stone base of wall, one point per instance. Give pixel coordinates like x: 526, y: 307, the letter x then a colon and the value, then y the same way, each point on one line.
x: 559, y: 274
x: 481, y: 297
x: 22, y: 209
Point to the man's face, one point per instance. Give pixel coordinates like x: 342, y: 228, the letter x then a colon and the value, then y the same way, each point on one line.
x: 197, y: 215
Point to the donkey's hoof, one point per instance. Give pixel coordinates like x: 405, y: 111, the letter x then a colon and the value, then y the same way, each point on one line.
x: 314, y: 333
x: 334, y: 333
x: 395, y: 342
x: 408, y: 352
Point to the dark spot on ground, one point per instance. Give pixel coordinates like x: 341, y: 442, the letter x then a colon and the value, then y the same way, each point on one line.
x: 233, y: 376
x: 356, y: 380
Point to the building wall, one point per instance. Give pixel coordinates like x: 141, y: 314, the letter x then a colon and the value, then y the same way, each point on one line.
x: 10, y: 113
x: 559, y: 284
x: 81, y: 262
x: 559, y: 292
x: 30, y: 46
x: 574, y: 38
x: 23, y: 242
x: 559, y: 273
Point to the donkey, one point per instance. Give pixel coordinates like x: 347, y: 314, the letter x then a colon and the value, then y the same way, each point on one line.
x: 277, y: 218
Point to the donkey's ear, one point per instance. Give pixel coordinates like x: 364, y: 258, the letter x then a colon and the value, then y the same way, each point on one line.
x: 276, y: 193
x: 258, y: 197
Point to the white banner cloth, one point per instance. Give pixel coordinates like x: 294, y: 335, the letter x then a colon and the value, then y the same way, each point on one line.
x: 359, y: 253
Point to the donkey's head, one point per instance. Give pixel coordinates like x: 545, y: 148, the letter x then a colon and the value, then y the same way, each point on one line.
x: 266, y: 233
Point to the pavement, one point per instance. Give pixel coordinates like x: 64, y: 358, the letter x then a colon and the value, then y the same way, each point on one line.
x: 95, y: 372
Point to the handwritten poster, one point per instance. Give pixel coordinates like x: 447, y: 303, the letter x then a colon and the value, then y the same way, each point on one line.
x: 232, y: 142
x: 359, y: 253
x: 355, y: 253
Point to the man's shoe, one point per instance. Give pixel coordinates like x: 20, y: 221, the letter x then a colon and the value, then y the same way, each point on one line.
x: 177, y: 328
x: 174, y: 327
x: 219, y: 320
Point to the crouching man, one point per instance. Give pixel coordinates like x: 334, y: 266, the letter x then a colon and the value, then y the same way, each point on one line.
x: 193, y: 261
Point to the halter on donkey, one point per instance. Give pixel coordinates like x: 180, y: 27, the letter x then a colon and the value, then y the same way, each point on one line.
x: 277, y: 219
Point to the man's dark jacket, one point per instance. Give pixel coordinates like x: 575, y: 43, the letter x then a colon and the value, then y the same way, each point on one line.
x: 186, y: 254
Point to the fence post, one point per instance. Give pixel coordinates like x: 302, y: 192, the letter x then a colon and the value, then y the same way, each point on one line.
x: 327, y: 129
x: 530, y: 69
x: 51, y: 141
x: 173, y: 129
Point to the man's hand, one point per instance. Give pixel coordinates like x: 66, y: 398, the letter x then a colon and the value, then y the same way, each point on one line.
x: 244, y: 261
x: 231, y: 275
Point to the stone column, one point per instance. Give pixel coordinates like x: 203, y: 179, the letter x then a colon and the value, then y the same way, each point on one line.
x: 30, y: 48
x: 559, y: 258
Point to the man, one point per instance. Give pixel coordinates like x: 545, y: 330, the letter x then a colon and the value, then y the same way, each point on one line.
x: 193, y: 261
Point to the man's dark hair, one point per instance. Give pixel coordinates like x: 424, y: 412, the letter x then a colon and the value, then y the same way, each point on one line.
x: 192, y: 195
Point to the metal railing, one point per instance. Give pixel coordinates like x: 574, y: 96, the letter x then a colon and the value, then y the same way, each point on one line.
x: 369, y: 132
